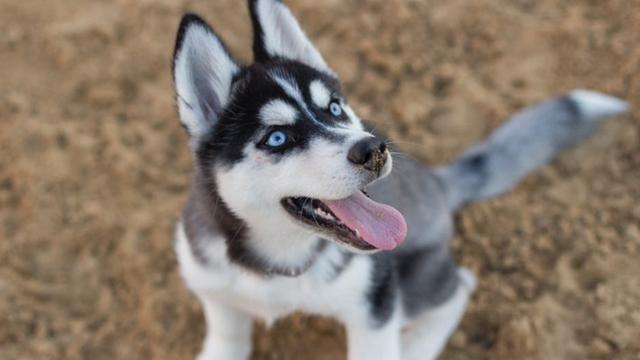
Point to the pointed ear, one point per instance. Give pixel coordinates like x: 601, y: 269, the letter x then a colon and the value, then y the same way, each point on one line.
x: 276, y: 33
x: 203, y: 71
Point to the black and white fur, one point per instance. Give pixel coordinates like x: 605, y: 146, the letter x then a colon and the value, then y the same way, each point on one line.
x: 246, y: 258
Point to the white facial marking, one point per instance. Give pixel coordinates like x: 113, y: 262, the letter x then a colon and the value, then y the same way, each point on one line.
x: 291, y: 88
x: 355, y: 120
x: 320, y: 94
x: 288, y: 85
x: 278, y: 112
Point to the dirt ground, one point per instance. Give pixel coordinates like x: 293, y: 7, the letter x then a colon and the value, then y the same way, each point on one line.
x: 94, y: 169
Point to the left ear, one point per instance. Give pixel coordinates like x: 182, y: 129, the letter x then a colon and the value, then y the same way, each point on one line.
x: 276, y: 33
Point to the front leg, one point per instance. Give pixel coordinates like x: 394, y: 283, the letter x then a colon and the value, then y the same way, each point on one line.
x: 228, y: 332
x: 371, y: 342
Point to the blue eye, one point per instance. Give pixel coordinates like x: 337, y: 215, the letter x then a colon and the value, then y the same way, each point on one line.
x: 276, y: 138
x: 335, y: 108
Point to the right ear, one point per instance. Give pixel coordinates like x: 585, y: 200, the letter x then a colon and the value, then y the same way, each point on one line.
x: 203, y: 71
x: 277, y: 34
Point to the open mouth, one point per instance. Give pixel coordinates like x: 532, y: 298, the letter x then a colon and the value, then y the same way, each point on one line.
x: 357, y: 221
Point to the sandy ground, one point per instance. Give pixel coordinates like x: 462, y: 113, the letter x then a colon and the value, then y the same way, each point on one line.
x: 94, y: 169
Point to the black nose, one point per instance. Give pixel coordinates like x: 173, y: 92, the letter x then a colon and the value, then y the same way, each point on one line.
x: 371, y: 153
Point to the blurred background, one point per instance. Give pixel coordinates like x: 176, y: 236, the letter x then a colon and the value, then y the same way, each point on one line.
x: 94, y: 169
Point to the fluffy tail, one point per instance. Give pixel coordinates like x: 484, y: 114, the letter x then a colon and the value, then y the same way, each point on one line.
x: 526, y: 141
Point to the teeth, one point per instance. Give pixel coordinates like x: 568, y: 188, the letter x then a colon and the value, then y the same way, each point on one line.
x: 357, y: 232
x: 323, y: 214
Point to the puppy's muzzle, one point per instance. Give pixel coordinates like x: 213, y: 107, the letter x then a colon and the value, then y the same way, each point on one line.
x: 370, y: 153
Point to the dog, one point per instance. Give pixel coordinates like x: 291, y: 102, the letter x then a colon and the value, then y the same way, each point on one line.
x: 291, y: 207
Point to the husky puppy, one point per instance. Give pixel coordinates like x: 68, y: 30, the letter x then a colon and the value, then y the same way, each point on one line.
x: 291, y: 208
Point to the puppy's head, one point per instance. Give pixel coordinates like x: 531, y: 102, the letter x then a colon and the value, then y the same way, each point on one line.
x: 278, y: 137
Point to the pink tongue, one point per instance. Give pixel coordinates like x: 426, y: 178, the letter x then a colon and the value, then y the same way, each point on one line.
x: 378, y: 224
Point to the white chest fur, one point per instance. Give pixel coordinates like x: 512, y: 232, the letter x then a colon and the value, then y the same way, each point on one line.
x: 317, y: 291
